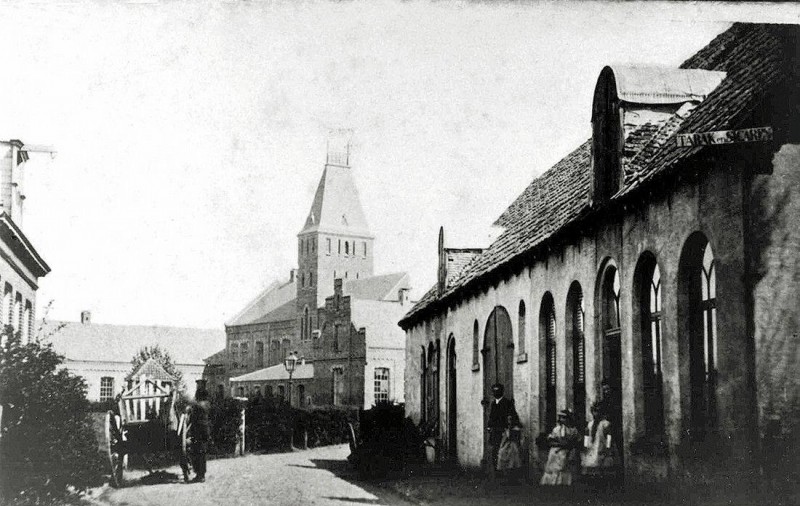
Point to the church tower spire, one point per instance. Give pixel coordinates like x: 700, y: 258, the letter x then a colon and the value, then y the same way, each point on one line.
x: 335, y: 241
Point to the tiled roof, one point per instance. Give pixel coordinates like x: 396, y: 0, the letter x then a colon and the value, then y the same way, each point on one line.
x: 383, y: 287
x: 754, y: 57
x: 274, y: 296
x: 457, y: 260
x: 287, y: 311
x: 278, y: 372
x: 119, y: 343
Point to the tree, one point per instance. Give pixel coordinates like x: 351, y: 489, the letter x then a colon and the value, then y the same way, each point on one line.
x: 48, y: 447
x: 162, y: 357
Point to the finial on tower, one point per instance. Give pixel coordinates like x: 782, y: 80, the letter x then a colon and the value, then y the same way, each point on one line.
x: 339, y: 147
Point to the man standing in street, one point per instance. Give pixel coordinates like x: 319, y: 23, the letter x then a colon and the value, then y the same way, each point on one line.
x: 199, y: 432
x: 499, y: 412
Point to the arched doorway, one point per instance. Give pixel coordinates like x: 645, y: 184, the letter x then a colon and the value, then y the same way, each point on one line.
x: 452, y: 402
x: 498, y: 358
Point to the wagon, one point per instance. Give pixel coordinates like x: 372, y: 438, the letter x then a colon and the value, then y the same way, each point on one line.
x: 146, y: 424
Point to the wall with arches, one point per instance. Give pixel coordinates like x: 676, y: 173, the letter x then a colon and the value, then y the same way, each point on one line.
x: 652, y: 232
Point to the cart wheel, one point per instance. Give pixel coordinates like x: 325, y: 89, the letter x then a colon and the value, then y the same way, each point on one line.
x: 352, y: 436
x: 113, y: 440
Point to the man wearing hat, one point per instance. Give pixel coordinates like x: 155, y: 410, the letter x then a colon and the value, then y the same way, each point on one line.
x: 199, y: 431
x: 499, y: 412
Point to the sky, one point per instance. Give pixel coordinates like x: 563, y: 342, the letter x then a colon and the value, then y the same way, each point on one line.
x: 191, y: 135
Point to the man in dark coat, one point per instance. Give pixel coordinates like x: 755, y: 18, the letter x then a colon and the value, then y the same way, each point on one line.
x: 499, y: 412
x: 199, y: 432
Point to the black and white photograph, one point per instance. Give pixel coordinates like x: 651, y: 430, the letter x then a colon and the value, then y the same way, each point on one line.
x: 345, y: 252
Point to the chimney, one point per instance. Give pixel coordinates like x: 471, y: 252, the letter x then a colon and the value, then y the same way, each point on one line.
x: 86, y: 317
x: 402, y: 295
x: 292, y: 274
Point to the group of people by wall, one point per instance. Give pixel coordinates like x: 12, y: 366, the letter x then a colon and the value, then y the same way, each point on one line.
x: 574, y: 454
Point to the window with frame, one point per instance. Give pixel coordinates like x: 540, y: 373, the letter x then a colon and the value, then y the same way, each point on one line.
x: 282, y: 392
x: 301, y: 395
x: 106, y: 388
x: 338, y: 385
x: 381, y: 384
x: 574, y: 322
x: 652, y: 380
x: 17, y: 311
x: 234, y: 355
x: 347, y: 248
x: 27, y: 326
x: 7, y: 304
x: 259, y: 354
x: 328, y: 245
x: 336, y: 337
x: 243, y: 353
x: 521, y: 328
x: 550, y: 365
x: 476, y: 345
x: 364, y: 251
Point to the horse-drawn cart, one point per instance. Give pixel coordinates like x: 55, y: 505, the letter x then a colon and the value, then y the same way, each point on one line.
x: 147, y: 424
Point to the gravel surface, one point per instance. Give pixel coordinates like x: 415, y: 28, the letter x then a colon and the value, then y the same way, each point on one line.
x: 302, y: 477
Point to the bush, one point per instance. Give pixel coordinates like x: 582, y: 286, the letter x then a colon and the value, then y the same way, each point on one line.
x: 273, y: 425
x: 48, y: 445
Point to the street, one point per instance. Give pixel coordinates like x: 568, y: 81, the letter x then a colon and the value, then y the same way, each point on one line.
x: 303, y: 477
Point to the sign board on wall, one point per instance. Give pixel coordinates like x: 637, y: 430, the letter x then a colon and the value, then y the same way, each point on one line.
x: 761, y: 134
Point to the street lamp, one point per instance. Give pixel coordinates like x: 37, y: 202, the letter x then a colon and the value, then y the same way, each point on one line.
x: 290, y: 363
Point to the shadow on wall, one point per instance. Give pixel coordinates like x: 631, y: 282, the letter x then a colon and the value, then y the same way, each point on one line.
x: 775, y: 267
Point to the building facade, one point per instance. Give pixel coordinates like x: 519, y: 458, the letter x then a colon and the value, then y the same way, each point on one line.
x: 333, y: 311
x: 102, y: 353
x: 20, y: 264
x: 656, y: 276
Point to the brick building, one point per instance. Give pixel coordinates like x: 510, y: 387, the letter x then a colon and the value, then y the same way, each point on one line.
x: 333, y: 311
x: 668, y: 274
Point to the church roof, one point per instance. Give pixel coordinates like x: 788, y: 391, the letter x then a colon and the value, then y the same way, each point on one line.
x: 119, y: 343
x: 336, y: 208
x: 755, y: 57
x: 383, y: 287
x: 274, y: 297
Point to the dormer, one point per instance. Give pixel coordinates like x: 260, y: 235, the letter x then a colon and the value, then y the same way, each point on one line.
x: 639, y: 100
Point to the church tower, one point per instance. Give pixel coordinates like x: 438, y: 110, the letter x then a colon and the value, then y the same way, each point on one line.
x: 335, y: 241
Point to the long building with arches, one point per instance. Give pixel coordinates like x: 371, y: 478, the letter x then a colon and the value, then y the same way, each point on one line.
x: 652, y: 268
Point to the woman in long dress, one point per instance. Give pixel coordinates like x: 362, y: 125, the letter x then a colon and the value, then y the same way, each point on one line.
x: 598, y: 461
x: 509, y: 457
x: 562, y: 459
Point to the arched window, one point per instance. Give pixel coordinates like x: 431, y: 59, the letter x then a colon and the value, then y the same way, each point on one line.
x: 521, y: 329
x: 697, y: 320
x: 575, y: 342
x: 310, y: 278
x: 302, y: 279
x: 547, y: 333
x: 610, y: 336
x: 432, y: 396
x: 476, y: 357
x: 305, y: 325
x: 234, y: 355
x: 648, y: 285
x: 423, y: 374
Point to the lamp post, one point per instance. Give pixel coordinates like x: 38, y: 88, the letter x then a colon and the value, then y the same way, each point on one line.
x: 290, y: 363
